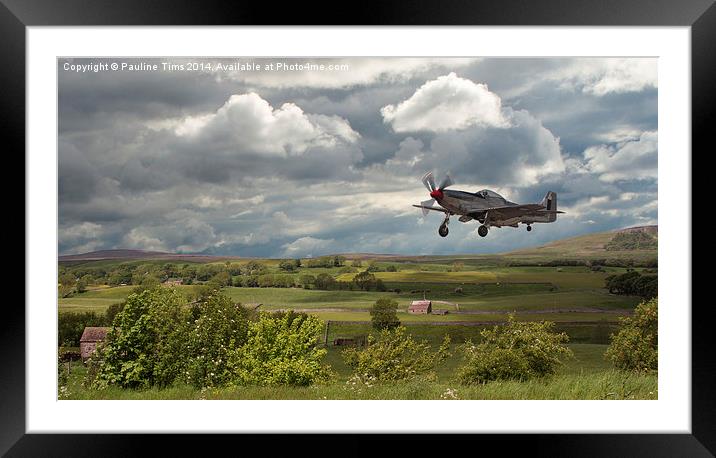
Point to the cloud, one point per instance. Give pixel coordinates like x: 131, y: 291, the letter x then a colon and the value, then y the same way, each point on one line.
x: 629, y: 160
x: 246, y: 122
x: 609, y: 76
x: 307, y: 247
x: 446, y: 103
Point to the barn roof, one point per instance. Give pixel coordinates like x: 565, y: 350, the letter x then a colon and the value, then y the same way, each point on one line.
x: 419, y: 305
x: 94, y: 334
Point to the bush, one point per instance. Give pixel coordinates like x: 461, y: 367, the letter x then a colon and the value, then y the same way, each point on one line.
x: 141, y: 348
x: 636, y: 346
x: 395, y: 355
x: 281, y: 350
x: 215, y: 328
x: 383, y: 314
x: 517, y: 350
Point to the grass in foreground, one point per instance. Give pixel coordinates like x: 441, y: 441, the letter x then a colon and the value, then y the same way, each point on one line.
x: 604, y: 385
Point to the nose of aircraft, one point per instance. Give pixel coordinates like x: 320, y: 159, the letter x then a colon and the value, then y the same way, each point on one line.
x: 437, y: 194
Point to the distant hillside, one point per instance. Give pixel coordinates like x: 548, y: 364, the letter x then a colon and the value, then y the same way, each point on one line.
x: 633, y: 242
x: 130, y: 255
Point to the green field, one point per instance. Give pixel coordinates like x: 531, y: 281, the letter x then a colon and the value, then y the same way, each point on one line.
x: 535, y: 293
x: 586, y: 376
x: 556, y: 282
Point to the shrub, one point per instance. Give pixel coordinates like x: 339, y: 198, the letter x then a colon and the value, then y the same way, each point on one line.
x: 515, y: 351
x: 140, y: 348
x: 635, y: 347
x: 215, y: 328
x: 383, y: 314
x: 395, y: 355
x: 281, y: 349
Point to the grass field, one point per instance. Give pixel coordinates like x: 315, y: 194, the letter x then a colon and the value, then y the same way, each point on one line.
x: 586, y: 376
x: 561, y: 294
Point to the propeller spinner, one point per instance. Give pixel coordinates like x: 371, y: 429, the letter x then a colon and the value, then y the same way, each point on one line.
x: 436, y: 192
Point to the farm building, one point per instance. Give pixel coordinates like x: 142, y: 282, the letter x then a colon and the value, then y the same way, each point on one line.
x: 173, y: 282
x: 90, y: 337
x: 420, y: 307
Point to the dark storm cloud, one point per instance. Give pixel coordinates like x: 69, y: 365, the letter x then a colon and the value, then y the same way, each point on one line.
x: 302, y: 164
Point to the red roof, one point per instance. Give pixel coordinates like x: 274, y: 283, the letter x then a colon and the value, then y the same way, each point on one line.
x: 419, y: 305
x: 94, y: 334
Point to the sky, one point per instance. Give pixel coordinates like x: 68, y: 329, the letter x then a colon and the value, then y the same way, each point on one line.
x: 272, y: 157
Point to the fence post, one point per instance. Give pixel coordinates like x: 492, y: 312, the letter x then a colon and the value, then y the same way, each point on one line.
x: 325, y: 337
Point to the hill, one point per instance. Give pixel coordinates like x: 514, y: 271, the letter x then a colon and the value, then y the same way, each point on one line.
x: 637, y: 243
x: 132, y: 255
x: 634, y: 243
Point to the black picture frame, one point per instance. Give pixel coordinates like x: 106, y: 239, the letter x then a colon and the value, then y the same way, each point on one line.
x: 700, y: 15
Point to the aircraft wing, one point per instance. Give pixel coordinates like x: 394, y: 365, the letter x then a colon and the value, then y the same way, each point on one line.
x: 431, y: 208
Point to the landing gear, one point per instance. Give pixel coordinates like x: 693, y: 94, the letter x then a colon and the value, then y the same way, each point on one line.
x: 529, y: 228
x: 482, y: 230
x: 443, y: 229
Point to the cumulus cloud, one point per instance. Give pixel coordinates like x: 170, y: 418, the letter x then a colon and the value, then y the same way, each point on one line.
x: 611, y: 75
x: 630, y: 160
x: 472, y: 135
x: 248, y: 122
x: 446, y: 103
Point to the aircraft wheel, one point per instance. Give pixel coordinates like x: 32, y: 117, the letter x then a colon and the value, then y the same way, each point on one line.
x: 482, y: 230
x: 443, y: 230
x: 529, y: 228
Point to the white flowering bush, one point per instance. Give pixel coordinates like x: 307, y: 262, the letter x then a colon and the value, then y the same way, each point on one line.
x: 214, y: 329
x: 281, y: 349
x: 395, y: 355
x: 517, y: 350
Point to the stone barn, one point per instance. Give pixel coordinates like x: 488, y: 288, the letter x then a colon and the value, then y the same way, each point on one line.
x: 89, y: 340
x: 420, y: 307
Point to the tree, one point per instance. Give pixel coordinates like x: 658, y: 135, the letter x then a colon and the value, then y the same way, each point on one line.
x: 307, y: 280
x: 636, y: 346
x: 281, y: 349
x: 254, y: 268
x: 67, y: 284
x: 325, y: 281
x: 357, y: 263
x: 384, y: 315
x: 518, y: 350
x: 338, y: 261
x: 364, y: 280
x: 222, y: 278
x: 287, y: 265
x: 136, y: 353
x: 457, y: 266
x: 394, y: 355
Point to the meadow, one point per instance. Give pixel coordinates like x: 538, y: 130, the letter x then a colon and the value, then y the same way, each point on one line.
x: 556, y: 283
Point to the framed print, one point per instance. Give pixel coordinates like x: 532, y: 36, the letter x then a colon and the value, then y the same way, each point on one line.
x: 360, y: 226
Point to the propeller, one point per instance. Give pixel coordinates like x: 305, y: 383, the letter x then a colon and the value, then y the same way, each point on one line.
x: 436, y: 192
x: 427, y: 203
x: 429, y: 181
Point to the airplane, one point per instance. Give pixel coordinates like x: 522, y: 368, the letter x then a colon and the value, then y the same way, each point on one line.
x: 486, y: 206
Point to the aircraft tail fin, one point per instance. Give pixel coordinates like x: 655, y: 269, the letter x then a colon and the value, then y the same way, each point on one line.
x: 550, y: 203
